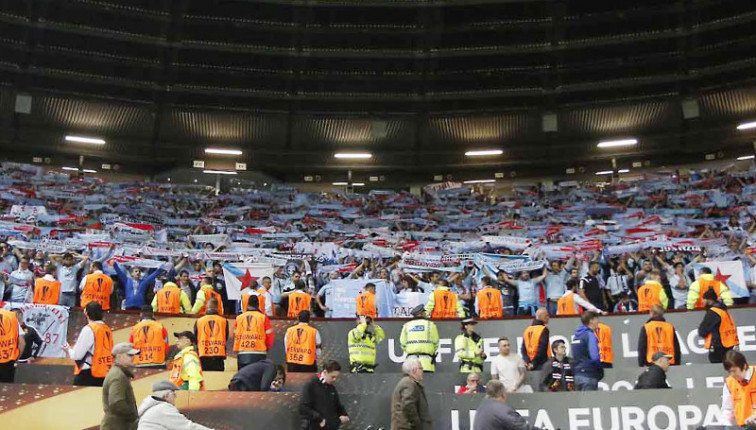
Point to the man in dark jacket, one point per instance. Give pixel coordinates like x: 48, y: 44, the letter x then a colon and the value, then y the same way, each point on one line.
x: 118, y: 399
x: 535, y: 341
x: 409, y: 406
x: 655, y: 375
x: 662, y: 338
x: 320, y: 407
x: 263, y: 375
x: 585, y: 354
x: 493, y: 413
x: 717, y: 328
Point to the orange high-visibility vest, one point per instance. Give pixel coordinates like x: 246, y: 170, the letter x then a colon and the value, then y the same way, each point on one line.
x: 8, y: 336
x: 97, y: 288
x: 728, y: 331
x: 298, y: 301
x: 532, y: 339
x: 46, y: 292
x: 211, y: 336
x: 705, y: 285
x: 743, y: 398
x: 566, y: 306
x: 604, y: 335
x: 147, y: 337
x: 209, y: 294
x: 366, y: 305
x: 260, y: 293
x: 648, y: 295
x: 301, y: 344
x: 102, y: 358
x: 249, y: 335
x: 169, y: 300
x: 489, y: 303
x: 176, y: 367
x: 445, y: 305
x: 660, y: 336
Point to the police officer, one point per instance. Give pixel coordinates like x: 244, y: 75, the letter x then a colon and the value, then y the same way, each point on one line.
x: 419, y: 338
x: 469, y: 348
x: 362, y: 341
x: 717, y: 328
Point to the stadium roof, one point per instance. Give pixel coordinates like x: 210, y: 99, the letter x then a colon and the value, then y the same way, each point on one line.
x: 415, y: 83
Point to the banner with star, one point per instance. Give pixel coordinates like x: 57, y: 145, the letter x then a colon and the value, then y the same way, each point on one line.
x: 729, y: 272
x: 239, y: 276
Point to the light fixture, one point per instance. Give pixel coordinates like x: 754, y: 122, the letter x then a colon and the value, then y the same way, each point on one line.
x: 358, y: 184
x: 219, y: 172
x: 746, y: 157
x: 340, y: 184
x: 747, y: 125
x: 89, y: 171
x: 353, y: 155
x: 481, y: 181
x: 623, y: 171
x: 222, y: 151
x: 604, y: 172
x: 617, y: 143
x: 484, y: 152
x: 81, y: 139
x: 73, y: 169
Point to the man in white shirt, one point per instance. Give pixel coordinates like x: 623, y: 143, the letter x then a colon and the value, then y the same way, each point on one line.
x: 84, y: 349
x: 509, y: 369
x: 21, y: 281
x: 67, y: 275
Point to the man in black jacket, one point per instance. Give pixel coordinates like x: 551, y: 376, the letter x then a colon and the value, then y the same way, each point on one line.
x: 320, y: 407
x: 655, y: 375
x: 717, y: 328
x: 263, y: 375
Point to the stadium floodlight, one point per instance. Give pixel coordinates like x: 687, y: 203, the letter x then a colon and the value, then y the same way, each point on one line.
x: 604, y: 172
x: 219, y: 172
x: 623, y: 171
x: 89, y: 171
x: 222, y: 151
x: 72, y: 169
x: 747, y: 125
x: 353, y: 155
x: 340, y: 184
x: 82, y: 139
x: 484, y: 152
x: 617, y: 143
x: 746, y: 157
x: 358, y: 184
x: 480, y: 181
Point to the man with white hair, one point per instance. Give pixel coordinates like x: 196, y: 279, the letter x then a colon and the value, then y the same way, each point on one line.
x: 158, y: 411
x: 409, y: 406
x: 493, y: 413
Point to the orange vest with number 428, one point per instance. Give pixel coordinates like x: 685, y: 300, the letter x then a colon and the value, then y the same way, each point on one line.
x: 249, y: 335
x: 46, y: 292
x: 660, y: 336
x: 211, y: 336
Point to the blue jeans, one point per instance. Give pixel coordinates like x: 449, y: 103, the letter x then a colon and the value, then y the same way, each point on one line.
x: 586, y: 383
x: 68, y: 299
x: 552, y: 307
x: 527, y: 310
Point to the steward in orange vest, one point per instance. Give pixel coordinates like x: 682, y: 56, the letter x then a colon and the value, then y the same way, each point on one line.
x: 488, y: 303
x: 205, y: 293
x: 11, y: 344
x: 171, y: 300
x: 657, y: 335
x: 151, y: 339
x: 92, y: 353
x: 299, y: 300
x: 444, y: 303
x: 47, y: 288
x: 97, y: 287
x: 739, y: 392
x: 717, y: 328
x: 606, y: 352
x: 366, y: 302
x: 652, y: 293
x: 302, y: 345
x: 212, y: 337
x: 253, y: 335
x: 535, y: 348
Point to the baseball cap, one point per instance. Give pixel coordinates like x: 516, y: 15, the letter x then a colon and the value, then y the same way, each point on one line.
x: 658, y: 354
x: 164, y: 385
x: 187, y: 334
x: 469, y: 321
x: 124, y: 348
x: 417, y: 310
